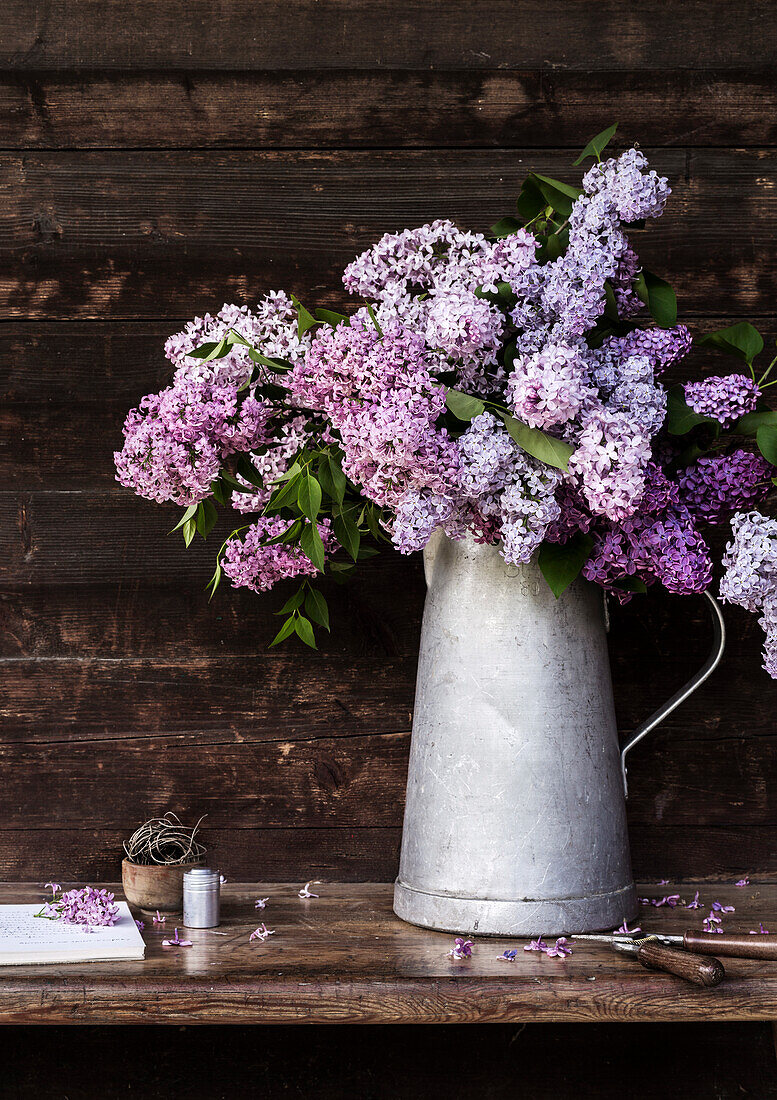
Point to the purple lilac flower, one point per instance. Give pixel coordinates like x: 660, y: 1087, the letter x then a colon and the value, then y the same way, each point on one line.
x: 750, y: 575
x: 88, y: 905
x: 724, y: 398
x: 713, y: 488
x: 695, y: 904
x: 158, y: 918
x: 462, y: 949
x: 712, y: 924
x: 760, y: 930
x: 417, y: 515
x: 663, y: 347
x: 718, y: 907
x: 176, y: 942
x: 527, y: 508
x: 251, y: 563
x: 743, y: 881
x: 670, y: 900
x: 261, y: 903
x: 140, y: 925
x: 507, y: 956
x: 54, y: 887
x: 624, y: 928
x: 550, y: 386
x: 305, y: 891
x: 560, y: 949
x: 536, y: 945
x: 271, y: 328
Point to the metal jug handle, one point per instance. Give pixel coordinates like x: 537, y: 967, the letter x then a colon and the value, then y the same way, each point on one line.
x: 718, y: 645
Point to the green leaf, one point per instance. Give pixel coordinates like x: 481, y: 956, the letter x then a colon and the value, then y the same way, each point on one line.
x: 658, y: 296
x: 680, y: 417
x: 305, y: 631
x: 751, y: 422
x: 247, y: 470
x: 338, y: 477
x: 560, y: 565
x: 330, y: 317
x: 545, y: 448
x: 631, y: 584
x: 559, y: 195
x: 463, y: 406
x: 283, y: 633
x: 189, y: 530
x: 316, y: 608
x: 766, y: 437
x: 279, y: 366
x: 290, y: 535
x: 293, y: 603
x: 742, y: 340
x: 505, y: 227
x: 610, y: 303
x: 597, y: 144
x: 556, y: 245
x: 286, y: 495
x: 190, y: 511
x: 347, y: 533
x: 207, y: 515
x: 214, y: 581
x: 374, y: 319
x: 313, y: 547
x: 309, y: 496
x: 305, y: 318
x: 211, y: 350
x: 531, y: 202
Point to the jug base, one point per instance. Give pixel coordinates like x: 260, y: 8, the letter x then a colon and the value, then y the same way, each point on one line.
x: 489, y: 917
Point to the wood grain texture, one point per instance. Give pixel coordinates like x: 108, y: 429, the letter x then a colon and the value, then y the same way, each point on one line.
x: 118, y: 234
x: 441, y: 34
x: 344, y: 957
x: 380, y: 108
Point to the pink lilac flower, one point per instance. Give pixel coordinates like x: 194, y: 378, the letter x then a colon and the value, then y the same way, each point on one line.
x: 718, y: 907
x: 261, y: 933
x: 158, y: 918
x: 550, y: 386
x: 609, y: 464
x: 743, y: 881
x: 670, y: 900
x: 711, y: 924
x: 724, y: 399
x: 140, y: 925
x: 54, y: 887
x: 760, y: 930
x: 624, y: 928
x: 663, y: 882
x: 305, y: 891
x: 695, y: 904
x: 536, y: 945
x: 560, y: 949
x: 255, y: 563
x: 462, y: 949
x: 261, y: 903
x: 714, y: 488
x: 176, y: 942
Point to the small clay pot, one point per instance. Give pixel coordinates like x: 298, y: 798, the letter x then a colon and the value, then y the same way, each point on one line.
x: 151, y: 886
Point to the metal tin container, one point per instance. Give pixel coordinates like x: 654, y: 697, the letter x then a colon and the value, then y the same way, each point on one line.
x: 201, y: 898
x: 515, y: 821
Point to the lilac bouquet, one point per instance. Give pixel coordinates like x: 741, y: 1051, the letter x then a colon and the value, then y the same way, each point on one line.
x: 503, y: 387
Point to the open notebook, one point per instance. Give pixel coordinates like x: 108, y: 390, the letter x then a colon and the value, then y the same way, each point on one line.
x: 25, y: 938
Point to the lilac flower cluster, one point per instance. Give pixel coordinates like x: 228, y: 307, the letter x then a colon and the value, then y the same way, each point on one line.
x: 549, y: 387
x: 724, y: 399
x: 713, y: 488
x: 176, y: 440
x: 257, y: 563
x: 88, y: 905
x: 750, y: 575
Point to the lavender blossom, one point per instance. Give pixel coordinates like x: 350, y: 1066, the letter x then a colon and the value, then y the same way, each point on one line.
x: 549, y: 387
x: 724, y: 399
x: 714, y: 488
x: 560, y: 949
x: 88, y: 906
x: 462, y: 949
x: 253, y: 562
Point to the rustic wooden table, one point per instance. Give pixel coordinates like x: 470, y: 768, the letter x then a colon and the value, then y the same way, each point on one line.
x: 345, y: 958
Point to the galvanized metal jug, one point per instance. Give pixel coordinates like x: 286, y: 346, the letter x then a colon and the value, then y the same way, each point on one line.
x: 515, y: 820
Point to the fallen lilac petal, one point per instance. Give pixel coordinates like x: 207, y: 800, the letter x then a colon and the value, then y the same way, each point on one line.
x: 628, y: 931
x: 743, y: 882
x: 536, y: 945
x: 560, y: 949
x: 159, y: 919
x: 176, y: 942
x: 462, y: 949
x: 663, y: 882
x: 670, y: 900
x: 222, y: 880
x: 140, y: 925
x: 760, y: 931
x: 261, y: 903
x: 695, y: 904
x: 711, y: 924
x: 261, y: 933
x: 644, y: 901
x: 305, y: 891
x: 507, y: 956
x: 717, y: 907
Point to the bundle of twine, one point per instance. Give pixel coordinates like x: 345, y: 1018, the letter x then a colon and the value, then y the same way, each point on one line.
x: 164, y: 840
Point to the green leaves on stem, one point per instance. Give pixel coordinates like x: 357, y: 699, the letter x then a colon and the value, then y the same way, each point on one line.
x: 561, y: 564
x: 742, y: 340
x: 597, y: 145
x: 540, y: 445
x: 659, y: 297
x: 315, y: 611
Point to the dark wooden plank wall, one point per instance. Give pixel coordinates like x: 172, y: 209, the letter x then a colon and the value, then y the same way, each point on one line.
x: 159, y: 158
